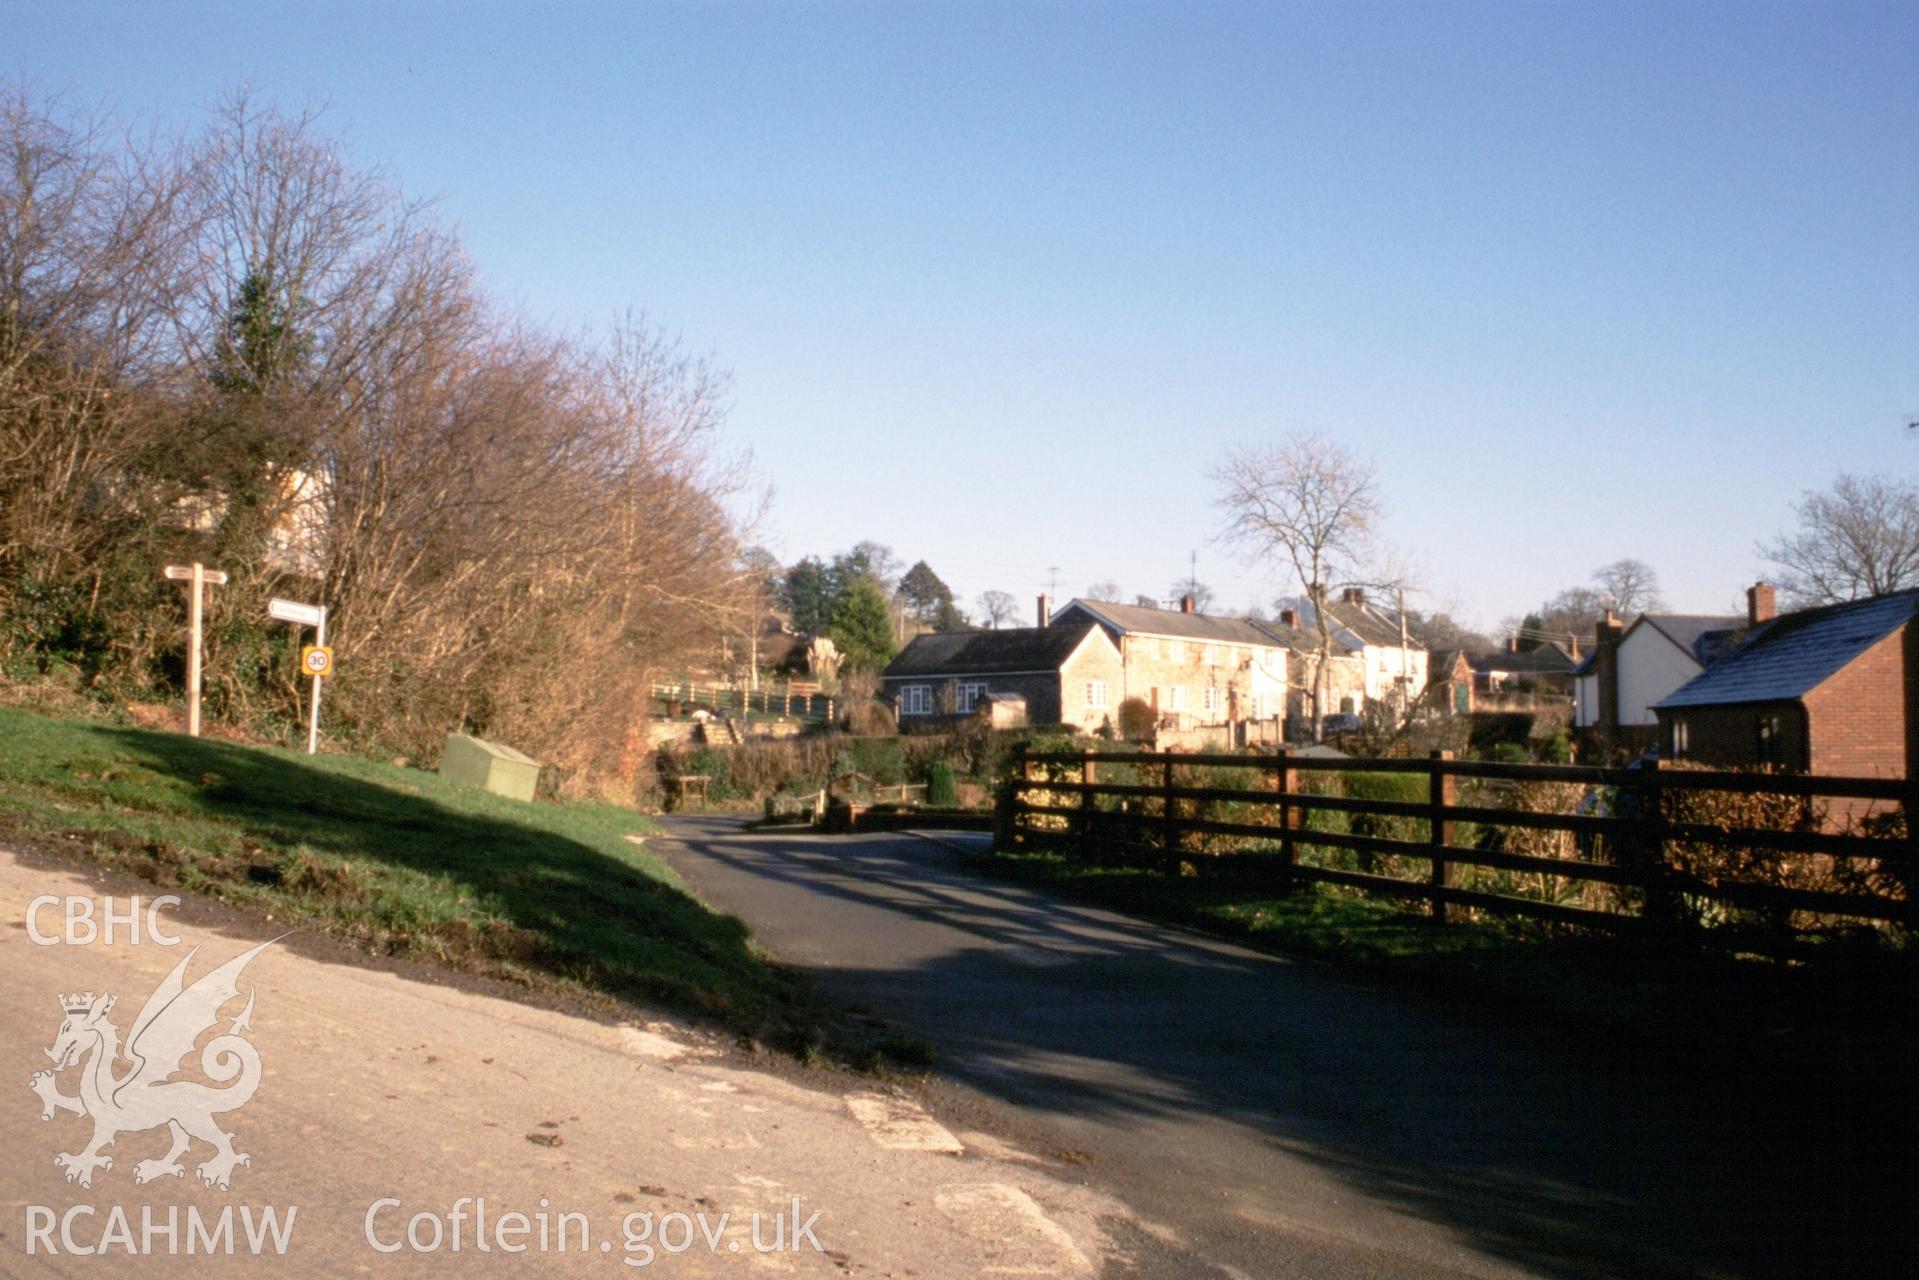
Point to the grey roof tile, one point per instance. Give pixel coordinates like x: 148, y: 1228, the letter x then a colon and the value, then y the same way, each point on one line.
x: 1795, y: 652
x: 987, y: 652
x: 1166, y: 622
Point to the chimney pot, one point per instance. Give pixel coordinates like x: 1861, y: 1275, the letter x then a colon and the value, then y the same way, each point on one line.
x: 1186, y: 604
x: 1761, y: 604
x: 1512, y: 644
x: 1045, y: 610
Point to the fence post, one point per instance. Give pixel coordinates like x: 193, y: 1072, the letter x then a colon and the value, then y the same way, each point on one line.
x: 1169, y: 820
x: 1286, y: 783
x: 1088, y: 774
x: 1655, y: 873
x: 1005, y: 817
x: 1909, y: 810
x: 1441, y: 792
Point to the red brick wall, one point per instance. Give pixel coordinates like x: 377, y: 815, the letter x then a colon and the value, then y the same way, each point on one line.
x: 1859, y: 717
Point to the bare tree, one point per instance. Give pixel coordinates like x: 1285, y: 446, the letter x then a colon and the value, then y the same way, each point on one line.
x: 1860, y: 538
x: 1308, y: 505
x: 1106, y: 592
x: 997, y: 607
x: 516, y: 531
x: 1629, y: 586
x: 1146, y: 602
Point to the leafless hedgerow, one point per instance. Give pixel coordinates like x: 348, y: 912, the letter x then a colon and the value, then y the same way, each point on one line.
x: 242, y: 349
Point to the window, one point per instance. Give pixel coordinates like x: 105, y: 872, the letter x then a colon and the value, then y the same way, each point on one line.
x: 970, y: 693
x: 1215, y: 698
x: 916, y: 700
x: 1772, y: 750
x: 1176, y: 650
x: 1212, y: 655
x: 1681, y: 740
x: 1176, y: 698
x: 1095, y: 693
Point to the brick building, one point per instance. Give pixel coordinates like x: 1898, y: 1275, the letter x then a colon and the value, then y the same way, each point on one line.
x: 1067, y: 675
x: 1632, y: 667
x: 1833, y: 690
x: 1193, y: 670
x: 1394, y: 665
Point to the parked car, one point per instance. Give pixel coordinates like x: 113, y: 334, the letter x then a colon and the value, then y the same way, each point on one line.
x: 1332, y: 725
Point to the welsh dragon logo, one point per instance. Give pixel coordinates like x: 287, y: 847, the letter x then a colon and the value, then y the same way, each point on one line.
x: 146, y: 1096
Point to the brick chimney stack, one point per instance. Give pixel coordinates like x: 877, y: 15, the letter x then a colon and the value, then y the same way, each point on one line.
x: 1045, y: 610
x: 1606, y: 637
x: 1186, y: 604
x: 1353, y: 595
x: 1289, y: 618
x: 1512, y: 644
x: 1761, y: 604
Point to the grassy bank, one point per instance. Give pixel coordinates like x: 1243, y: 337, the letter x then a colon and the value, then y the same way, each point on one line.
x: 397, y: 861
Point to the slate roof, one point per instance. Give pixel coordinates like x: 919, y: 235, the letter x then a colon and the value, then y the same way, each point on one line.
x: 1169, y: 622
x: 1547, y: 659
x: 1370, y: 624
x: 1795, y: 652
x: 1297, y: 639
x: 1015, y: 649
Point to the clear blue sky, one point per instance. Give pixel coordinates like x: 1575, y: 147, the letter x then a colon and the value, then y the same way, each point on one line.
x: 998, y: 283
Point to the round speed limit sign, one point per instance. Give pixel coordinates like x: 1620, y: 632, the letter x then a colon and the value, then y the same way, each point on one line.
x: 316, y: 660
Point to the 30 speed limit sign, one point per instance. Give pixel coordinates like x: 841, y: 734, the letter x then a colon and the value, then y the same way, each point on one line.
x: 316, y: 660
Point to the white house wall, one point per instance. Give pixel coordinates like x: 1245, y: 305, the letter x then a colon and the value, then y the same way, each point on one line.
x: 1386, y: 664
x: 1650, y: 667
x: 1586, y: 700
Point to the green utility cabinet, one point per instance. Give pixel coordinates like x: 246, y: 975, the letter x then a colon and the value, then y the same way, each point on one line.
x: 478, y: 763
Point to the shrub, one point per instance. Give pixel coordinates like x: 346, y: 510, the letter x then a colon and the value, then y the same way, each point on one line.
x: 941, y: 791
x: 870, y: 718
x: 881, y: 759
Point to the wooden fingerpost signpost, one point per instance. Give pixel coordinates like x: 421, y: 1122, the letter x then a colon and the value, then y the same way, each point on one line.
x: 199, y: 578
x: 316, y: 660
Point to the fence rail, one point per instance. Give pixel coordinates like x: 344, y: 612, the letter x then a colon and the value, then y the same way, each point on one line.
x: 792, y: 699
x: 1775, y: 857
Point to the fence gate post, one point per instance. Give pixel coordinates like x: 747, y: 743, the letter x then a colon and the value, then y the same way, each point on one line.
x: 1662, y: 899
x: 1441, y: 793
x: 1088, y: 774
x: 1286, y: 783
x: 1169, y: 820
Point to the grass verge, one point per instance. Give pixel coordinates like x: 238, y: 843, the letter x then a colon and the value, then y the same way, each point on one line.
x: 400, y: 862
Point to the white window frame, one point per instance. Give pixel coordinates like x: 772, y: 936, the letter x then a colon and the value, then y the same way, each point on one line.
x: 1176, y: 650
x: 1096, y: 693
x: 968, y: 694
x: 1211, y: 655
x: 1215, y: 699
x: 1176, y: 698
x: 916, y: 699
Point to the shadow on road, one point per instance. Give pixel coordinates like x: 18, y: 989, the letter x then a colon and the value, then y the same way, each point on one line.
x: 1564, y: 1163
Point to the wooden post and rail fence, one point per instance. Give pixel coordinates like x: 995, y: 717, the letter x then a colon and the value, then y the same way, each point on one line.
x: 1640, y: 857
x: 791, y: 699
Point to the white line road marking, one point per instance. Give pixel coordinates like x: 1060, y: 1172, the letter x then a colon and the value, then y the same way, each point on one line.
x: 900, y: 1125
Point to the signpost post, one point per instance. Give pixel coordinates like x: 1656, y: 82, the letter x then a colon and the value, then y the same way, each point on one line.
x: 200, y: 578
x: 308, y: 615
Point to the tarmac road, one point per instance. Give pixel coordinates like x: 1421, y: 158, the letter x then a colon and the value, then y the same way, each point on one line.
x: 1265, y: 1118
